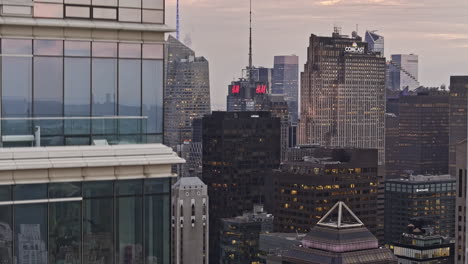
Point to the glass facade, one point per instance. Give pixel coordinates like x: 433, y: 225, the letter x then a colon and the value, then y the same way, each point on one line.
x: 105, y: 222
x: 135, y: 11
x: 78, y: 91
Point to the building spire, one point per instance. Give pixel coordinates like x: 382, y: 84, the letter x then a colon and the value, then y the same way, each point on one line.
x: 250, y: 43
x: 177, y: 21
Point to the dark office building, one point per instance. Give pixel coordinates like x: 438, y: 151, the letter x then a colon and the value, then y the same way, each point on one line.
x: 461, y: 214
x: 265, y: 75
x: 419, y: 246
x: 279, y: 108
x: 458, y: 116
x: 247, y: 95
x: 339, y: 237
x: 238, y: 147
x: 424, y: 132
x: 392, y: 146
x: 343, y: 94
x: 301, y: 192
x: 286, y: 82
x: 240, y: 236
x: 431, y: 197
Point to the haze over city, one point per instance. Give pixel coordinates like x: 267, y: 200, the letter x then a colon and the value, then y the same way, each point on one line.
x: 218, y: 29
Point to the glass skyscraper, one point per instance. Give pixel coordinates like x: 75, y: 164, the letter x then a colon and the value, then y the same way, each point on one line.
x: 82, y: 70
x: 86, y: 205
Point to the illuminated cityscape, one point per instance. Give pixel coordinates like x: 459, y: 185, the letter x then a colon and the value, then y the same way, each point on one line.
x: 233, y: 132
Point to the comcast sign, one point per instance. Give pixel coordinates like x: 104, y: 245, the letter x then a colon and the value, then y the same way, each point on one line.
x: 355, y: 49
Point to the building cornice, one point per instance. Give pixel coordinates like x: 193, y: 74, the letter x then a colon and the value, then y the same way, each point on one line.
x: 85, y: 163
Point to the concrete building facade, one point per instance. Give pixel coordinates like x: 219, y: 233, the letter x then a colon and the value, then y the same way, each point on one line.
x: 343, y: 94
x: 189, y: 221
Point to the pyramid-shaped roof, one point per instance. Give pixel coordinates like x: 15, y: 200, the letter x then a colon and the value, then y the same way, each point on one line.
x: 340, y: 216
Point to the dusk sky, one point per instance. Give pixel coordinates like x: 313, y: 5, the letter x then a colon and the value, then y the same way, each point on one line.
x: 436, y: 30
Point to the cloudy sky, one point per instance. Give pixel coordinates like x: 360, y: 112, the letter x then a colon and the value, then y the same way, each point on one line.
x: 436, y: 30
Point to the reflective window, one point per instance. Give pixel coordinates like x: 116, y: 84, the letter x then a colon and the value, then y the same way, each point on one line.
x: 6, y: 234
x: 77, y: 11
x: 16, y: 10
x: 129, y: 221
x: 130, y: 3
x: 48, y: 92
x: 130, y: 14
x: 153, y: 16
x: 98, y: 189
x: 98, y: 231
x: 152, y: 82
x: 104, y: 87
x: 129, y: 50
x: 154, y: 4
x: 31, y: 233
x: 104, y: 49
x: 78, y: 48
x: 105, y: 13
x: 129, y: 95
x: 129, y: 187
x: 5, y: 193
x: 157, y: 186
x: 65, y: 233
x: 16, y: 46
x: 65, y: 189
x: 153, y: 51
x: 105, y: 2
x: 157, y: 229
x: 48, y: 47
x: 77, y: 86
x: 48, y: 10
x: 77, y: 94
x: 30, y: 191
x: 16, y: 94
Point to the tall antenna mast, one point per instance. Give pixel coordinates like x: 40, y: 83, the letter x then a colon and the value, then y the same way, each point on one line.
x: 250, y: 44
x: 177, y: 21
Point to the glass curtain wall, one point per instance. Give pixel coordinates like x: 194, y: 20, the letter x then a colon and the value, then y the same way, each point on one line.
x: 69, y: 82
x: 105, y: 222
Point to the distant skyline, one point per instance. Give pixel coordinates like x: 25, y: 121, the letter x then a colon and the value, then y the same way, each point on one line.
x: 218, y: 30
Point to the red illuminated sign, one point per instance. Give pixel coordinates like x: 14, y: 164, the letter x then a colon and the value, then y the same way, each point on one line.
x: 261, y: 89
x: 235, y: 89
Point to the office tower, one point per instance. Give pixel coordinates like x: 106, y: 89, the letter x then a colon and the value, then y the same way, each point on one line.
x: 247, y: 95
x: 376, y: 42
x: 187, y: 93
x: 392, y: 146
x: 403, y: 72
x: 299, y: 193
x: 343, y: 94
x: 458, y: 117
x: 279, y: 108
x: 189, y: 221
x: 265, y: 75
x: 240, y: 235
x: 87, y: 204
x: 238, y: 147
x: 461, y: 213
x: 83, y: 72
x: 418, y: 245
x: 430, y: 197
x: 285, y: 82
x: 424, y: 132
x: 339, y: 237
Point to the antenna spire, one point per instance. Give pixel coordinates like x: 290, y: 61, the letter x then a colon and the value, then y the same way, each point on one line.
x: 250, y: 42
x: 177, y: 21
